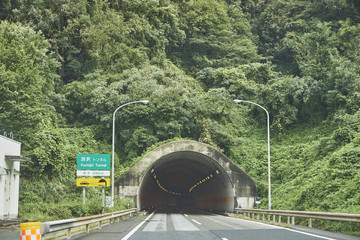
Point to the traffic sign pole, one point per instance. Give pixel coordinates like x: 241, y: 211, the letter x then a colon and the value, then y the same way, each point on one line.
x: 84, y: 196
x: 103, y: 197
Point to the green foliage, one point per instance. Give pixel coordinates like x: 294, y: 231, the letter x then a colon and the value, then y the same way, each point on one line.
x: 279, y: 18
x: 121, y: 204
x: 53, y: 151
x: 317, y: 178
x: 321, y: 56
x: 214, y: 36
x: 61, y: 22
x: 110, y: 44
x: 27, y: 75
x: 38, y: 211
x: 141, y: 126
x: 65, y: 67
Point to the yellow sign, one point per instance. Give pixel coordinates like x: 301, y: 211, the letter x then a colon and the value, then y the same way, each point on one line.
x: 93, y: 182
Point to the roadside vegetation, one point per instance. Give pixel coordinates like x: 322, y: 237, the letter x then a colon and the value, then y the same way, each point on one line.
x: 65, y: 66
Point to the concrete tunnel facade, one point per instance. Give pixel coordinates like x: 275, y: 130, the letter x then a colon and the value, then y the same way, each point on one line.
x: 187, y: 173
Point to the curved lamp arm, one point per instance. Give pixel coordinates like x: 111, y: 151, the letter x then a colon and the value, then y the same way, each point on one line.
x: 113, y: 148
x: 268, y: 138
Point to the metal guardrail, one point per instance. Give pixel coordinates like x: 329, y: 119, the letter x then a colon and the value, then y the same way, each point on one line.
x: 68, y: 224
x: 292, y: 214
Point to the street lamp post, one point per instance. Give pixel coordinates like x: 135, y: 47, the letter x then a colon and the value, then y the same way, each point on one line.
x: 268, y: 139
x: 113, y: 148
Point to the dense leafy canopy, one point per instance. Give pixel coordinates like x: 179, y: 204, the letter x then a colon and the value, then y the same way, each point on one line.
x: 66, y: 66
x: 27, y: 78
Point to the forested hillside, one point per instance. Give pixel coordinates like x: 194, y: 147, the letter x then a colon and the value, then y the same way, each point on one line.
x: 65, y: 66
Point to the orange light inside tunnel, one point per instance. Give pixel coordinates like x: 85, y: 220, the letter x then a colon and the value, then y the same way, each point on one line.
x: 207, y: 178
x: 161, y: 187
x: 186, y: 179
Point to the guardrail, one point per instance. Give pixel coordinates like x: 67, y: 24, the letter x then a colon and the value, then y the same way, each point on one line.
x: 292, y: 214
x: 68, y: 224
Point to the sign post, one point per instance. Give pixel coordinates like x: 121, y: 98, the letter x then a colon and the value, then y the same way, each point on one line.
x: 103, y: 198
x: 84, y: 195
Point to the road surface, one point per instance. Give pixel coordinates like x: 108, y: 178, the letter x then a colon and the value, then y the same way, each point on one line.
x: 192, y: 224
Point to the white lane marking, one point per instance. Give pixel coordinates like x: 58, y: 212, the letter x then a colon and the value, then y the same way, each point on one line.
x: 136, y: 228
x: 182, y: 224
x: 195, y: 221
x: 185, y: 215
x: 228, y: 224
x: 259, y: 223
x: 310, y: 234
x: 157, y: 223
x: 268, y: 225
x: 224, y: 239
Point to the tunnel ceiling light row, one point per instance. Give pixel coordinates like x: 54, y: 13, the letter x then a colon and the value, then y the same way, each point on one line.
x: 205, y: 179
x: 153, y: 173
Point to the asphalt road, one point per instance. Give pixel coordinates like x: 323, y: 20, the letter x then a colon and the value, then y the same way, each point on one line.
x: 191, y: 224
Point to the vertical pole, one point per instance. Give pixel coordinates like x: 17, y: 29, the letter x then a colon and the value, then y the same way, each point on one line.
x: 84, y: 195
x: 113, y: 149
x: 103, y: 197
x: 269, y: 172
x: 112, y: 161
x: 268, y: 139
x: 69, y: 233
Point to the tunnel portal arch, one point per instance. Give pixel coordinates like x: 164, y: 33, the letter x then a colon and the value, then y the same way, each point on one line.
x: 187, y: 173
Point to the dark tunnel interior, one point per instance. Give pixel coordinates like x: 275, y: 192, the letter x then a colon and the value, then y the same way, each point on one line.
x: 186, y: 179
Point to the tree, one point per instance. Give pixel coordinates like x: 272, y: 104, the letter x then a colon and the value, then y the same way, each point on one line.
x: 164, y: 118
x: 61, y: 22
x: 113, y: 44
x: 331, y: 62
x: 27, y: 77
x: 280, y: 18
x: 217, y: 35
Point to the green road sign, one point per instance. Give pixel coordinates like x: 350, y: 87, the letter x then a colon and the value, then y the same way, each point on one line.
x: 93, y: 161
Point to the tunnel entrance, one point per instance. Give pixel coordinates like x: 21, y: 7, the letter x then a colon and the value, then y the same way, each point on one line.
x: 186, y: 179
x: 187, y: 174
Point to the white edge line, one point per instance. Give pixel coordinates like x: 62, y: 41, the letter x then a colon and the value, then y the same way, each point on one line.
x: 195, y: 221
x: 305, y: 233
x: 260, y: 223
x: 310, y: 234
x: 137, y: 227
